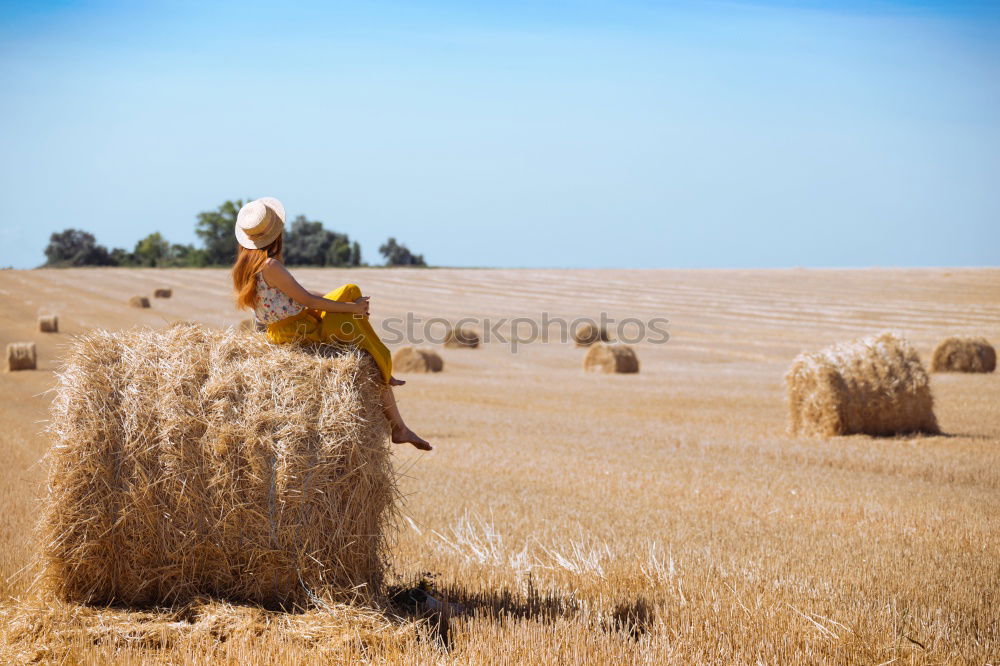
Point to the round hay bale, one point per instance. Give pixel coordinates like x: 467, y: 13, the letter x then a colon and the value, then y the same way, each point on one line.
x: 412, y: 359
x: 189, y: 462
x: 610, y: 358
x: 462, y: 338
x: 21, y: 356
x: 587, y: 334
x: 964, y: 354
x: 874, y: 386
x: 163, y: 292
x: 48, y: 324
x: 139, y: 302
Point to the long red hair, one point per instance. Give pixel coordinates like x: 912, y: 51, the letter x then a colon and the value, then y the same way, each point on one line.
x: 248, y: 264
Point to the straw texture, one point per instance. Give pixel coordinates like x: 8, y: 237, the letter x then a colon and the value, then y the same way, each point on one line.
x: 21, y: 356
x: 876, y: 386
x: 48, y: 324
x: 188, y: 461
x: 412, y: 359
x: 252, y: 325
x: 963, y: 354
x: 610, y: 358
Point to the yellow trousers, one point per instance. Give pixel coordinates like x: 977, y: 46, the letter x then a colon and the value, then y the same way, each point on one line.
x: 334, y: 327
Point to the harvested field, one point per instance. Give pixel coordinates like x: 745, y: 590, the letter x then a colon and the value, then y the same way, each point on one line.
x: 661, y: 517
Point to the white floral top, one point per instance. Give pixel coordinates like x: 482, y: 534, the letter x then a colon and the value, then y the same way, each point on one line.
x: 273, y: 305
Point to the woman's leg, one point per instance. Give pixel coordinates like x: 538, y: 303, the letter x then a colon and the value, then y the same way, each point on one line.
x: 401, y: 434
x: 356, y: 330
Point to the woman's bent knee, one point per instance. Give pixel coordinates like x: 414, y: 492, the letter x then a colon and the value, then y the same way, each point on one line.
x: 345, y: 294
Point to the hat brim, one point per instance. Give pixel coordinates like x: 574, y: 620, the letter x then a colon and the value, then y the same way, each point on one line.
x: 263, y: 241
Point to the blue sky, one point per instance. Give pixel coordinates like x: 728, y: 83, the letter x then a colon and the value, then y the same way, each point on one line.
x: 585, y: 134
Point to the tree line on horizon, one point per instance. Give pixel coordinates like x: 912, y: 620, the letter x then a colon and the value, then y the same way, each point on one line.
x: 307, y: 243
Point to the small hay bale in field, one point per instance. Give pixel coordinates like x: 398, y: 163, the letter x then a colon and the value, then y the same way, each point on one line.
x: 587, y: 334
x: 48, y: 324
x: 139, y: 302
x: 163, y: 293
x: 191, y: 462
x: 610, y: 358
x: 462, y: 337
x: 412, y: 359
x: 874, y: 386
x: 21, y: 356
x: 959, y: 354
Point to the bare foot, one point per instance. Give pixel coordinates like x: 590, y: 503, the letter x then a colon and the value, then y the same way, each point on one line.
x: 396, y: 382
x: 407, y: 436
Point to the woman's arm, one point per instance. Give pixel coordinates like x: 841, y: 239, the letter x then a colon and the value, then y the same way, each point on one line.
x: 278, y: 276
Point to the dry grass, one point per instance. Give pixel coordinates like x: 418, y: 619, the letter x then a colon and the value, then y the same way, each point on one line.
x: 139, y: 302
x: 48, y: 324
x: 611, y: 358
x: 874, y: 386
x: 664, y: 517
x: 192, y: 462
x: 964, y: 354
x: 219, y: 632
x: 21, y: 356
x: 413, y: 359
x: 162, y: 292
x: 587, y: 334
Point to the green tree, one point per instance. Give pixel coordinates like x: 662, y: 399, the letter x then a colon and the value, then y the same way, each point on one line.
x: 187, y: 255
x: 397, y: 254
x: 355, y: 254
x: 121, y: 257
x: 216, y: 228
x: 152, y: 251
x: 74, y: 247
x: 307, y: 243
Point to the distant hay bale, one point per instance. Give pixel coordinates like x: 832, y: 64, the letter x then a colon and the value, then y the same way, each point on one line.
x: 21, y: 356
x: 191, y: 462
x: 48, y: 324
x: 139, y: 302
x: 587, y: 334
x: 610, y: 358
x: 462, y: 337
x: 958, y: 354
x: 412, y: 359
x: 163, y: 293
x: 874, y: 386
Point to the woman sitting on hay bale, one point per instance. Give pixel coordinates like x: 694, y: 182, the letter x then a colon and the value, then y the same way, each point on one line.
x: 293, y: 314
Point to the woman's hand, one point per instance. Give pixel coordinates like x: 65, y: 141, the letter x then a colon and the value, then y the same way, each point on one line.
x: 361, y: 306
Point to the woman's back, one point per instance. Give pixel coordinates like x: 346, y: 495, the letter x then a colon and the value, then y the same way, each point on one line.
x: 273, y: 305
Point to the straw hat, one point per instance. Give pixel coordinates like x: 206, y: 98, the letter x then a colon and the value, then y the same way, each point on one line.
x: 259, y: 223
